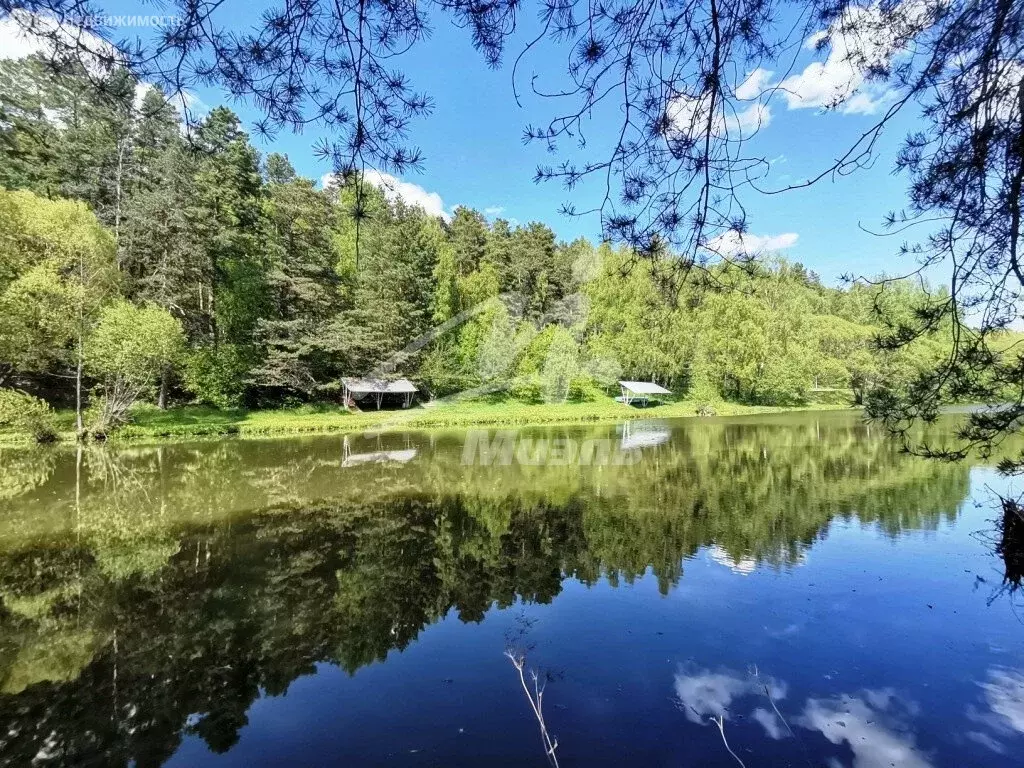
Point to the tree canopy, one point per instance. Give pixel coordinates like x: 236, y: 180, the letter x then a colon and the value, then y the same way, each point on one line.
x: 688, y: 86
x: 253, y: 286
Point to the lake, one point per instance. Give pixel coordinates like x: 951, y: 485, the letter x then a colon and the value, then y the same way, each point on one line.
x: 769, y: 591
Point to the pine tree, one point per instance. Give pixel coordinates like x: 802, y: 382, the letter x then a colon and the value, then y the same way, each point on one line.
x: 302, y: 282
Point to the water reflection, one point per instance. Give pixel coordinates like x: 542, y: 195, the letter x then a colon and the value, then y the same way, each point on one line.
x: 352, y: 456
x: 1001, y: 715
x: 152, y: 595
x: 644, y: 433
x: 759, y: 492
x: 873, y: 725
x: 703, y: 694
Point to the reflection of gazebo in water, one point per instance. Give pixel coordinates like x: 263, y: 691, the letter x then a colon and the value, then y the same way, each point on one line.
x: 379, y: 456
x: 645, y: 433
x: 377, y: 390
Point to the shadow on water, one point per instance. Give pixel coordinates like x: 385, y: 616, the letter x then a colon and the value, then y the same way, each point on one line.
x: 151, y: 595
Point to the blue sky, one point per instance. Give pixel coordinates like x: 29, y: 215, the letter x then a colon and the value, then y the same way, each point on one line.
x: 474, y: 154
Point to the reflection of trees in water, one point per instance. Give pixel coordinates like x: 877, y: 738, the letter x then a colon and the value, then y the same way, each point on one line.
x: 155, y: 602
x: 760, y: 491
x: 21, y: 471
x: 205, y: 635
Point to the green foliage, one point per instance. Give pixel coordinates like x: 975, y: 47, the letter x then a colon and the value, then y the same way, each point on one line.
x: 36, y: 321
x: 561, y: 367
x: 216, y: 376
x: 497, y: 351
x: 281, y: 288
x: 303, y: 288
x: 134, y: 344
x: 58, y: 268
x: 23, y: 413
x: 128, y: 351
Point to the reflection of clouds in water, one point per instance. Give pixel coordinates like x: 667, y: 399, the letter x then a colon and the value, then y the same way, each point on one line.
x: 868, y: 725
x: 702, y: 693
x: 744, y: 565
x: 873, y: 724
x: 789, y: 629
x: 1004, y: 695
x: 773, y: 727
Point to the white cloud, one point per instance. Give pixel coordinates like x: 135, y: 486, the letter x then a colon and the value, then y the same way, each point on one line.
x: 754, y: 86
x: 871, y: 725
x: 23, y: 33
x: 413, y: 194
x: 14, y: 43
x: 396, y: 189
x: 189, y: 105
x: 708, y: 694
x: 494, y: 210
x: 1005, y: 695
x: 1004, y: 718
x: 1003, y: 93
x: 689, y: 116
x: 732, y: 243
x: 141, y: 89
x: 749, y: 120
x: 861, y: 39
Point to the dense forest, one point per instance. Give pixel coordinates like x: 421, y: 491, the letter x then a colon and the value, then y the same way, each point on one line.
x: 143, y: 261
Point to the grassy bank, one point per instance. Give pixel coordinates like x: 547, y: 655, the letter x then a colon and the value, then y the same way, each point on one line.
x: 189, y: 422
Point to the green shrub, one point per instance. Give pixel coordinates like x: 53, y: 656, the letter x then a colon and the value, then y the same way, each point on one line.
x: 527, y: 389
x: 216, y: 377
x: 583, y: 389
x: 25, y: 413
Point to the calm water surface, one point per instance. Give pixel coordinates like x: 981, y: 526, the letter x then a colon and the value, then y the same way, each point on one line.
x: 330, y: 601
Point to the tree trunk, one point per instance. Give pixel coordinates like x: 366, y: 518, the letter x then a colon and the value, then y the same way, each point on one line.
x: 212, y: 303
x: 78, y: 394
x: 79, y: 430
x: 122, y: 145
x: 79, y: 427
x: 162, y: 399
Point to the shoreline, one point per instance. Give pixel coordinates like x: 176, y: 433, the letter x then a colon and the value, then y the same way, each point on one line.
x: 186, y: 423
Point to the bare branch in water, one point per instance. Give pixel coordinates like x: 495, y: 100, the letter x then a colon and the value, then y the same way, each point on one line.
x: 720, y: 722
x: 778, y: 714
x: 536, y: 699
